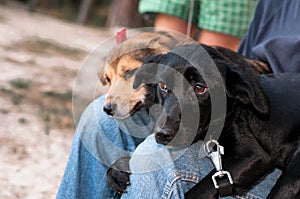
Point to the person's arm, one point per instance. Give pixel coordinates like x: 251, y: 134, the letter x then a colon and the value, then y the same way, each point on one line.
x: 219, y: 39
x: 206, y: 37
x: 174, y: 23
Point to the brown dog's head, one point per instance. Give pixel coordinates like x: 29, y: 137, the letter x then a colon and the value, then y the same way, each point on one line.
x: 180, y: 109
x: 121, y: 65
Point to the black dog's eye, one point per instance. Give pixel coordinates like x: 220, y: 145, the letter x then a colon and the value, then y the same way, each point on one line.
x: 198, y: 89
x: 163, y: 87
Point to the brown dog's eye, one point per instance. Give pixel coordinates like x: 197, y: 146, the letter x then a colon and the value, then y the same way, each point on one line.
x: 163, y: 87
x: 198, y: 89
x: 107, y: 80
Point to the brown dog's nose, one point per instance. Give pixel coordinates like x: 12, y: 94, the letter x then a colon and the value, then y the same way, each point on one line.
x: 108, y: 108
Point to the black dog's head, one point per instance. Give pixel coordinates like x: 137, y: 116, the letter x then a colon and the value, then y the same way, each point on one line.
x: 186, y: 98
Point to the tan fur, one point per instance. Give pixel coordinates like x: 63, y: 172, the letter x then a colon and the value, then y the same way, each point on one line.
x: 127, y: 56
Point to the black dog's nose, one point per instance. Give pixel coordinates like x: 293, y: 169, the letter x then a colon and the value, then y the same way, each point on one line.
x: 164, y: 136
x: 108, y: 108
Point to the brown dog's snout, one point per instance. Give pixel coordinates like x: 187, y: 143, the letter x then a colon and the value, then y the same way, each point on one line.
x: 109, y: 108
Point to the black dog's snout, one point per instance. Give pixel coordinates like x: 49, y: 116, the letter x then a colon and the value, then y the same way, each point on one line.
x: 164, y: 136
x: 109, y: 108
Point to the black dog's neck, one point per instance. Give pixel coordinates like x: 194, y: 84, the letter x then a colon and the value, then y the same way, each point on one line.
x: 235, y: 115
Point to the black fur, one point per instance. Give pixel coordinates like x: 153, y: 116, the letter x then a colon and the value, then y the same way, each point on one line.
x: 262, y: 125
x: 118, y: 175
x: 117, y: 178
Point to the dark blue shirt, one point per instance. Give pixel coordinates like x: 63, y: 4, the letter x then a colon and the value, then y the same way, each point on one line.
x: 274, y: 35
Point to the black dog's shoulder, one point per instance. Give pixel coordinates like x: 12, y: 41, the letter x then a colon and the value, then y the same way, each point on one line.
x: 220, y: 53
x: 262, y: 123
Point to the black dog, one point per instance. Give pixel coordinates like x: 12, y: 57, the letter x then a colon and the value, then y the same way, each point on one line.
x: 118, y: 173
x: 262, y: 125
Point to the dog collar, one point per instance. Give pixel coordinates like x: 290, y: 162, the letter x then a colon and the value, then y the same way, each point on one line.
x: 222, y: 179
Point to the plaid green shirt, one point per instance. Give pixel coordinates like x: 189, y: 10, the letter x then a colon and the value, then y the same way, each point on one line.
x: 224, y: 16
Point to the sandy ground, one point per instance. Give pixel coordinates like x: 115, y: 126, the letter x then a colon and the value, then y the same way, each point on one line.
x: 39, y: 57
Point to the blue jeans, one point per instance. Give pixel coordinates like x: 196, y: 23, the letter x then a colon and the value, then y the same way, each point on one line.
x: 157, y: 172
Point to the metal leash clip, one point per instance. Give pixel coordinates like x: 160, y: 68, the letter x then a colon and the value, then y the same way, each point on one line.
x: 215, y: 157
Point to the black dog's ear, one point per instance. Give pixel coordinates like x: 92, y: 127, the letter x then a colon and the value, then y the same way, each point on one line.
x: 243, y: 85
x: 147, y: 72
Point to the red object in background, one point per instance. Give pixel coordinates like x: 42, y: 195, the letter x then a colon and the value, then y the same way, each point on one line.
x: 121, y: 36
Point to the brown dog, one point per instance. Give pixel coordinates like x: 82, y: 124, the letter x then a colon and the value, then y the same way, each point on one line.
x: 121, y: 64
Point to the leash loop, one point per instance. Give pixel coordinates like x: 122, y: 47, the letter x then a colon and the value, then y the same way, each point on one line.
x: 215, y: 157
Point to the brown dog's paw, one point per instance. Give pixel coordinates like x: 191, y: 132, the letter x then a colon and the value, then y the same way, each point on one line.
x: 118, y: 175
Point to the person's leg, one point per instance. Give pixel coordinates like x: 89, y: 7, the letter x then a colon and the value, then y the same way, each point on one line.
x: 158, y: 172
x: 84, y: 175
x: 97, y: 143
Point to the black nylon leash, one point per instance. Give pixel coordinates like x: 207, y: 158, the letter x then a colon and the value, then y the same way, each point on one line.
x: 225, y: 187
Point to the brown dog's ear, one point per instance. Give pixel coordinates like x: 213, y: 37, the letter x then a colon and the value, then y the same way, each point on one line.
x: 147, y: 72
x: 242, y: 84
x: 101, y: 71
x: 101, y: 77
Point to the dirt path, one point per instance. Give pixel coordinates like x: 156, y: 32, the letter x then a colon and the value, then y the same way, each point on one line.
x: 39, y: 59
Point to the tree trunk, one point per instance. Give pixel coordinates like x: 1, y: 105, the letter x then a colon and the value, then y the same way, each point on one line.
x: 84, y: 11
x: 124, y: 13
x: 32, y: 5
